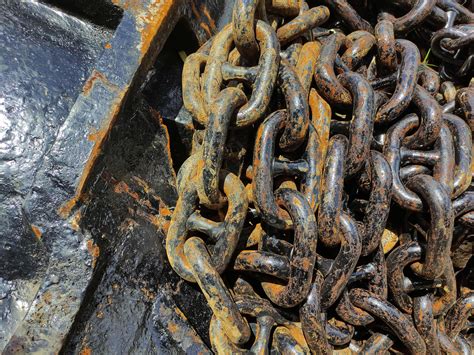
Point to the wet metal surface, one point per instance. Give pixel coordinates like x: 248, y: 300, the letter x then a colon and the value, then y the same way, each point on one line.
x: 392, y: 133
x: 65, y: 80
x: 257, y: 215
x: 46, y: 57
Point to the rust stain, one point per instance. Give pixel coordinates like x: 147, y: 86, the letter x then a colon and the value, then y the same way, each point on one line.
x: 67, y: 207
x: 94, y: 251
x: 389, y: 240
x: 288, y: 184
x: 65, y: 210
x: 164, y: 217
x: 122, y: 187
x: 146, y: 188
x: 464, y: 291
x: 37, y: 232
x: 150, y: 22
x: 107, y: 45
x: 194, y: 10
x: 134, y: 6
x: 212, y: 24
x: 47, y: 297
x: 161, y: 222
x: 165, y: 211
x: 96, y: 75
x: 94, y: 135
x: 346, y: 351
x: 76, y: 220
x: 472, y: 162
x: 86, y: 351
x: 157, y: 116
x: 249, y: 192
x: 149, y: 295
x: 206, y: 28
x: 173, y: 327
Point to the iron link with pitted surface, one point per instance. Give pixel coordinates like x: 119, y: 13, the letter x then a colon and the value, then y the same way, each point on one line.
x: 347, y: 220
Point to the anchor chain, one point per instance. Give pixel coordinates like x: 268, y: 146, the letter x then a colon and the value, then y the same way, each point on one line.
x: 347, y: 218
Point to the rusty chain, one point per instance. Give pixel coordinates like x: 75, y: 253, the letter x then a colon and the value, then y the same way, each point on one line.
x: 327, y: 202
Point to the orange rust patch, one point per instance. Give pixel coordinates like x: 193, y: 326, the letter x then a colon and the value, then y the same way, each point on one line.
x: 134, y: 6
x: 173, y: 327
x: 86, y: 351
x: 150, y: 23
x: 96, y: 75
x: 206, y: 28
x: 157, y: 116
x: 346, y: 351
x: 297, y: 333
x: 194, y: 10
x: 107, y: 45
x: 67, y: 207
x: 149, y: 295
x: 75, y: 221
x: 289, y: 184
x: 143, y: 184
x: 36, y: 231
x: 94, y: 251
x: 389, y: 240
x: 212, y: 24
x: 94, y: 136
x: 162, y: 222
x: 165, y: 211
x: 122, y: 187
x: 464, y: 291
x: 472, y: 163
x: 249, y: 192
x: 256, y: 236
x: 47, y: 297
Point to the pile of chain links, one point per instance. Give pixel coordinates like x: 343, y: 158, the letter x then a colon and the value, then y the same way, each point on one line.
x: 327, y: 203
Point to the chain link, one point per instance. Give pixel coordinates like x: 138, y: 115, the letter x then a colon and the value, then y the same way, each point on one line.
x: 349, y: 202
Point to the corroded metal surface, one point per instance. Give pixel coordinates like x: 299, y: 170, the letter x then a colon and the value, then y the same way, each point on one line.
x: 357, y: 182
x: 66, y: 80
x: 300, y: 183
x: 42, y: 70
